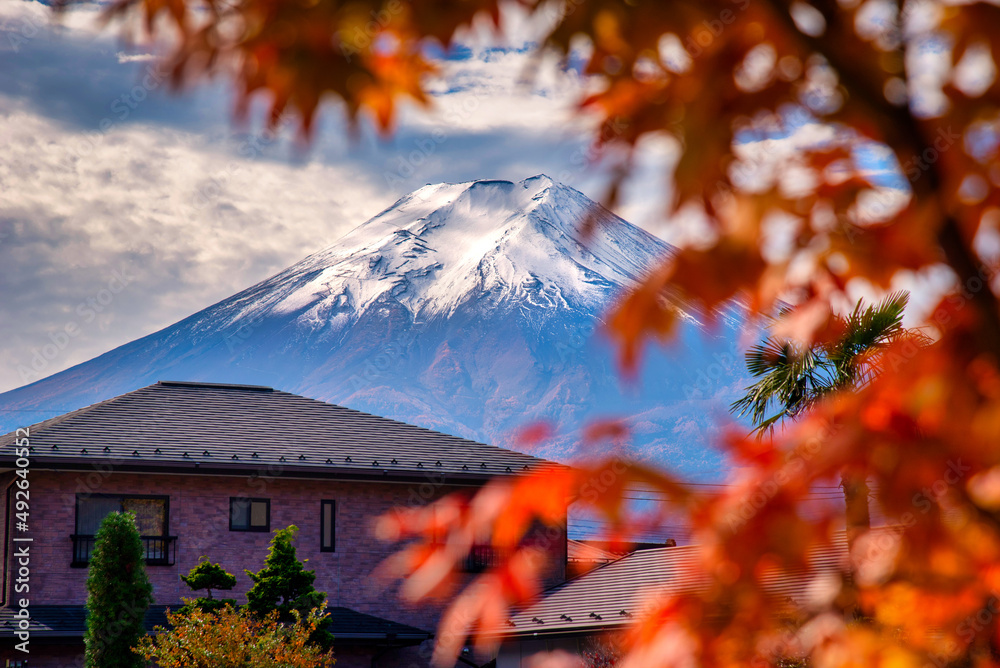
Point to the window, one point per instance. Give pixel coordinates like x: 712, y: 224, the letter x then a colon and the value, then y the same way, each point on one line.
x: 249, y: 514
x: 151, y: 518
x: 327, y: 526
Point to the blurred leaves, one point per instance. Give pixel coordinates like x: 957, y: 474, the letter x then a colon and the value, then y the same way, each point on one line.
x: 773, y: 105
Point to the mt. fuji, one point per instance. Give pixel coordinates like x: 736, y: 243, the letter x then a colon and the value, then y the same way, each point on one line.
x: 470, y: 308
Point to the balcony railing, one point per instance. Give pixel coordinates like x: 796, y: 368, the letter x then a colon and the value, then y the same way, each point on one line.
x: 157, y: 550
x: 482, y: 557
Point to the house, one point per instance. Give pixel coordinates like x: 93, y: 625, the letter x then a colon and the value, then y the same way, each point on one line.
x: 212, y: 469
x: 610, y: 598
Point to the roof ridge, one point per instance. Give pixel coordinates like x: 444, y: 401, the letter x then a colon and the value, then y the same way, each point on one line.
x: 220, y: 386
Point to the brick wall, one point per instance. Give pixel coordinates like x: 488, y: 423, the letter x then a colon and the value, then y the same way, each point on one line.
x: 199, y: 517
x: 5, y: 549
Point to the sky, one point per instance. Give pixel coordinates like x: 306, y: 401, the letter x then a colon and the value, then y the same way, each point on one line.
x: 125, y: 207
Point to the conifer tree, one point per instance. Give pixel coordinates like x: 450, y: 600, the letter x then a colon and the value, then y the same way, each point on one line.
x: 208, y: 576
x: 118, y: 595
x: 285, y: 585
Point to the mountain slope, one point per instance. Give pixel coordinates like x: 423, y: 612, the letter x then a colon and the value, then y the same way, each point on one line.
x: 470, y: 308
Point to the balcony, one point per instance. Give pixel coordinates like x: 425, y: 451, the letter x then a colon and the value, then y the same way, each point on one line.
x: 158, y: 550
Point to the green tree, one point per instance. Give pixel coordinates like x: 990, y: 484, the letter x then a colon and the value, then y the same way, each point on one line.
x: 208, y: 576
x: 792, y: 378
x: 118, y: 595
x: 284, y: 585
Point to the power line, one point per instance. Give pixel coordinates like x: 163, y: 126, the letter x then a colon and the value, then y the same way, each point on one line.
x: 667, y: 498
x: 725, y: 485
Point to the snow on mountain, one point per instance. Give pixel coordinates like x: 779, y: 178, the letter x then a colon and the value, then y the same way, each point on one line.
x: 445, y: 244
x: 471, y: 308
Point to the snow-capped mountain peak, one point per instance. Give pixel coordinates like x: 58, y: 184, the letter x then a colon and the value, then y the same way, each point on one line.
x: 444, y: 245
x: 468, y: 307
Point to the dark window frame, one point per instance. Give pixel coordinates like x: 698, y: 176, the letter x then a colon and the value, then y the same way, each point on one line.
x: 249, y: 527
x: 143, y: 497
x: 333, y: 525
x: 163, y: 546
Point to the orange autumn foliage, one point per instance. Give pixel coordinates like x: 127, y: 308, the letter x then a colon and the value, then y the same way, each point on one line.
x: 234, y: 638
x: 717, y: 76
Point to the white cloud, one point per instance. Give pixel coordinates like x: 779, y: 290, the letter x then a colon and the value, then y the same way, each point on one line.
x: 194, y: 225
x: 103, y: 170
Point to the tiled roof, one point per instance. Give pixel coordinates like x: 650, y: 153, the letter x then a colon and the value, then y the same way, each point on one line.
x: 239, y: 428
x: 347, y: 624
x: 68, y: 621
x: 615, y: 595
x: 65, y: 621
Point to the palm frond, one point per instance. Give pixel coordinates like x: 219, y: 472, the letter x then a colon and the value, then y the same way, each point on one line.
x: 867, y: 331
x: 791, y: 378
